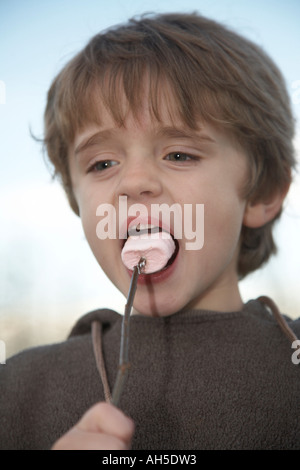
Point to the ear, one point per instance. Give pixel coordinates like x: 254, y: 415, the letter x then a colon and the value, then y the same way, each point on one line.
x: 259, y: 213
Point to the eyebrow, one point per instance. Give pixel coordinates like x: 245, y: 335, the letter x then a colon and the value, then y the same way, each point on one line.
x: 93, y: 140
x: 165, y: 132
x: 175, y: 132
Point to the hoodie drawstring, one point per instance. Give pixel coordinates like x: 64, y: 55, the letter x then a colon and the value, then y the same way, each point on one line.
x: 98, y: 353
x: 278, y: 317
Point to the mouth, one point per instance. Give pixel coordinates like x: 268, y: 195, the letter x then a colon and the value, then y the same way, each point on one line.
x: 140, y: 229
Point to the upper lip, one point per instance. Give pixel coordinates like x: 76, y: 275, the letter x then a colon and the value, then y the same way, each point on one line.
x: 146, y: 222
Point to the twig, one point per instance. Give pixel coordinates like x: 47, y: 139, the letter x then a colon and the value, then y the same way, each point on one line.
x: 123, y: 361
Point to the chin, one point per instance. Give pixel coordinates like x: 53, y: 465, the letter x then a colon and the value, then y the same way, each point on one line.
x: 154, y: 307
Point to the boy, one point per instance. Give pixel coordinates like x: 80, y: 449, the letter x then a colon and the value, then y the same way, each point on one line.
x: 170, y: 109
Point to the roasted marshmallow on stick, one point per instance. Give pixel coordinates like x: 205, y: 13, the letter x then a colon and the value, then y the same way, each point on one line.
x: 156, y: 248
x: 142, y: 253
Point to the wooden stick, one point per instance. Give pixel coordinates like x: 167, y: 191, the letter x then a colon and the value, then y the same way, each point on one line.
x: 124, y: 347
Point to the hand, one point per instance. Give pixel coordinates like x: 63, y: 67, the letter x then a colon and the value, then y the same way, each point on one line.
x: 102, y: 427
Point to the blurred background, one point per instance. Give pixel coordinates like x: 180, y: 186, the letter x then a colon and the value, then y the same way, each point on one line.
x: 48, y: 277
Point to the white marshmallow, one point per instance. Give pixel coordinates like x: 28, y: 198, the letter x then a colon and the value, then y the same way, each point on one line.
x: 156, y: 248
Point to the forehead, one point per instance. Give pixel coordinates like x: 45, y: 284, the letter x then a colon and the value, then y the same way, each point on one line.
x: 145, y: 130
x: 110, y: 104
x: 151, y: 102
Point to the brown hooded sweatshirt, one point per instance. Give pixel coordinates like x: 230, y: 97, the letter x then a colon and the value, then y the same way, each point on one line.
x: 198, y: 380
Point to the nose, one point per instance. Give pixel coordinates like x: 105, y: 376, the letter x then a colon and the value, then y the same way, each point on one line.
x: 140, y: 180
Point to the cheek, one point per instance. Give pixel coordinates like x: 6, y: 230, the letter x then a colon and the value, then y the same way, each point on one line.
x: 222, y: 225
x: 88, y: 201
x: 88, y: 208
x: 225, y: 220
x: 100, y: 248
x: 104, y: 249
x: 89, y: 220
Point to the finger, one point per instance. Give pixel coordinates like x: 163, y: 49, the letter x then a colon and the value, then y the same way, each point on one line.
x: 77, y: 439
x: 107, y: 419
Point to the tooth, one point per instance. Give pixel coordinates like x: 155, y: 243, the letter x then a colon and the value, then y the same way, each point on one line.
x: 146, y: 226
x: 142, y: 227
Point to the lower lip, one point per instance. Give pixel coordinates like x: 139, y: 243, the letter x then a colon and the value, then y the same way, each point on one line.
x: 157, y: 277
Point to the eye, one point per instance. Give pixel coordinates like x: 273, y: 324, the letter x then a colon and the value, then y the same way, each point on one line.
x: 102, y: 165
x: 179, y: 157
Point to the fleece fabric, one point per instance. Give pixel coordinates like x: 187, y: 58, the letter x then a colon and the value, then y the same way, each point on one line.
x: 198, y: 380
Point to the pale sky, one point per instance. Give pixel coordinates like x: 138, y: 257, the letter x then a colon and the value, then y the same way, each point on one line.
x: 48, y: 277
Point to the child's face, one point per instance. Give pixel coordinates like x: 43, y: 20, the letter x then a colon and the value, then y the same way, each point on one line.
x: 150, y: 163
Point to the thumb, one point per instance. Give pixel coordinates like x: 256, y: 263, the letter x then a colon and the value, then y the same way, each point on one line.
x: 107, y: 419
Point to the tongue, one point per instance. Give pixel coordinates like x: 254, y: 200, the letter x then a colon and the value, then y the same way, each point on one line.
x: 156, y: 248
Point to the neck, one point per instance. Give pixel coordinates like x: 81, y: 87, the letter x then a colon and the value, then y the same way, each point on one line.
x: 225, y: 298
